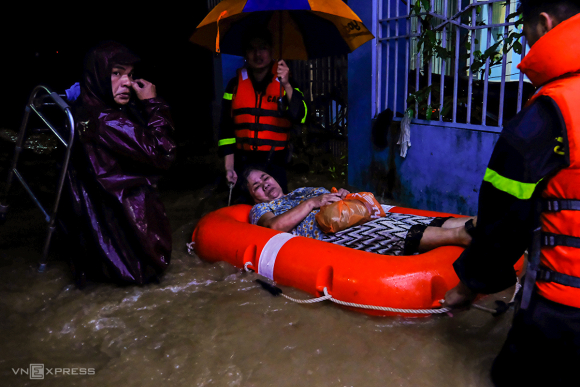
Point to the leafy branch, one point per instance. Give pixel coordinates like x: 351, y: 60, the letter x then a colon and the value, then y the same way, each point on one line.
x: 495, y: 53
x: 427, y: 41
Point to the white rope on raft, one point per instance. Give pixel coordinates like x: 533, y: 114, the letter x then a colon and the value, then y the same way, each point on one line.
x: 249, y: 267
x: 387, y: 309
x: 517, y: 289
x: 363, y: 306
x: 327, y: 296
x: 308, y: 301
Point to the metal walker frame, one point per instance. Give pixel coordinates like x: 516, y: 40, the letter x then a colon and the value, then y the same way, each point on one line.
x: 35, y: 104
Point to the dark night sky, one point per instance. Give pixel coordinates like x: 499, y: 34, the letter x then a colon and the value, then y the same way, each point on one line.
x: 47, y: 46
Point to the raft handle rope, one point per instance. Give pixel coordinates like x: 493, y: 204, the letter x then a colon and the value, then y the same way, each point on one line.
x: 502, y: 307
x: 231, y: 187
x: 275, y: 291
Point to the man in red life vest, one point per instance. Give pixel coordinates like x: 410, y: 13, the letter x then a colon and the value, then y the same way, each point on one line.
x: 255, y: 125
x: 530, y: 199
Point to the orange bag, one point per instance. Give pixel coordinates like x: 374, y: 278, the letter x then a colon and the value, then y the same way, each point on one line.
x: 355, y: 209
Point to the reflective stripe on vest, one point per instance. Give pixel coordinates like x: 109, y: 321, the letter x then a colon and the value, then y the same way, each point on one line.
x: 258, y: 124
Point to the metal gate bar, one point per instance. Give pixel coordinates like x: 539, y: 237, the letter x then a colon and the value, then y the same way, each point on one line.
x: 448, y: 27
x: 35, y: 103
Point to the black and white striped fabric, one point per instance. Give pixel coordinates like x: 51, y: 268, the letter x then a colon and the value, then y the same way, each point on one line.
x: 381, y: 236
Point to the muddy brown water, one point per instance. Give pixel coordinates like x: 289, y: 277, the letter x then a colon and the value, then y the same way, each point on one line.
x: 211, y: 325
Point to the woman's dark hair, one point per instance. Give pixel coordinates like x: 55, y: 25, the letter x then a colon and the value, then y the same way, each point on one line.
x: 560, y: 9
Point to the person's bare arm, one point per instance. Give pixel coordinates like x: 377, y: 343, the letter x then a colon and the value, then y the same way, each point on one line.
x: 290, y: 219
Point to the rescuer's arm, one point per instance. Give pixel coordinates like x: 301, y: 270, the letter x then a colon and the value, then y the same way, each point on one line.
x: 297, y: 106
x: 295, y: 98
x: 290, y: 219
x: 283, y: 73
x: 227, y: 138
x: 531, y: 148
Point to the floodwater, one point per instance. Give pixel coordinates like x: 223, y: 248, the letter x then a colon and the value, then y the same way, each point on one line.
x: 212, y: 325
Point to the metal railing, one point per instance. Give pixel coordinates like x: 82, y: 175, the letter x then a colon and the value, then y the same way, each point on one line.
x: 324, y: 83
x: 478, y: 102
x: 40, y: 97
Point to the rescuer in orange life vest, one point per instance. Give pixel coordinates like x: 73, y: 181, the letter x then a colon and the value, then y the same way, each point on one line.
x: 530, y: 199
x: 255, y: 125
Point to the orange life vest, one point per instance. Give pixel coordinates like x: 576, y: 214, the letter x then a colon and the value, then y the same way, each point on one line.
x: 554, y: 64
x: 258, y: 123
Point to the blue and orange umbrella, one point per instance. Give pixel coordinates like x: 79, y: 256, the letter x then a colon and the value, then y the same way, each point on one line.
x: 301, y: 29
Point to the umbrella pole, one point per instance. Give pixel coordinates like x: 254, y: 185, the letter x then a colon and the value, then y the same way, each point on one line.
x: 280, y: 101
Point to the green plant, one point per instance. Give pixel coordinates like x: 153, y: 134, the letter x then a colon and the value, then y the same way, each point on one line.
x: 496, y: 51
x: 338, y: 168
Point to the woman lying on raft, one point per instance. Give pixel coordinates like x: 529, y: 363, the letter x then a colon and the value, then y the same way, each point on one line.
x: 395, y: 234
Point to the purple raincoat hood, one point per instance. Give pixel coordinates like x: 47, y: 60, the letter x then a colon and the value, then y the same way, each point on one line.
x: 96, y: 89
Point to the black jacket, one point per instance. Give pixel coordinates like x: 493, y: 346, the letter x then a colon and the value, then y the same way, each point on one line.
x: 522, y: 160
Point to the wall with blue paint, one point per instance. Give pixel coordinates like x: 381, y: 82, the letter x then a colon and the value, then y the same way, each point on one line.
x: 230, y: 63
x: 442, y: 171
x: 360, y: 78
x: 444, y: 166
x: 224, y: 67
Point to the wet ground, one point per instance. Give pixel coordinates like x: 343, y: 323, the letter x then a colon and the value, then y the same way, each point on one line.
x: 211, y: 324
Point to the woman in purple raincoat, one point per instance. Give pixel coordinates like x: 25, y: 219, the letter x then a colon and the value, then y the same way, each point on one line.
x: 123, y: 144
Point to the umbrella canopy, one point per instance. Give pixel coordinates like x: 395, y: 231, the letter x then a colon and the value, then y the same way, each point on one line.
x: 301, y: 29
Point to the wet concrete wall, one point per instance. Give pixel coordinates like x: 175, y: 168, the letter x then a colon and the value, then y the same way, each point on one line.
x: 444, y: 166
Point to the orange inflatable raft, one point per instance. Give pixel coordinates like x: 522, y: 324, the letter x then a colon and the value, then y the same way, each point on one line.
x: 353, y: 276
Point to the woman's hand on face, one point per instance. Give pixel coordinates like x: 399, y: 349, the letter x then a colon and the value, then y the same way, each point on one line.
x: 325, y: 199
x: 283, y: 73
x: 144, y: 89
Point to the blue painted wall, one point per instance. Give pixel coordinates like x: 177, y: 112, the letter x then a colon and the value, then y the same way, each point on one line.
x: 443, y: 169
x: 444, y: 166
x: 230, y: 63
x: 360, y: 80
